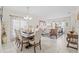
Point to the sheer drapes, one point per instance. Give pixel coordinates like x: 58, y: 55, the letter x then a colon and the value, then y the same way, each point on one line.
x: 17, y: 23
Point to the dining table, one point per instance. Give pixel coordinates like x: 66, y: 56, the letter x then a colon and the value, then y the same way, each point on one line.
x: 29, y: 36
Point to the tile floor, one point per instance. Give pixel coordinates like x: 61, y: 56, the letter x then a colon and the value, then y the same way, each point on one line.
x: 48, y: 46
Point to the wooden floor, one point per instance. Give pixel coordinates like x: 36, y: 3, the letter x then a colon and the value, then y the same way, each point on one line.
x: 48, y: 46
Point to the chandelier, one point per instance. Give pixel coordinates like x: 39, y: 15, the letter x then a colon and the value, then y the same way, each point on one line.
x: 28, y: 17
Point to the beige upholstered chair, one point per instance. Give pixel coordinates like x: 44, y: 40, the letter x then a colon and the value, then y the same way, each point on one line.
x: 37, y: 40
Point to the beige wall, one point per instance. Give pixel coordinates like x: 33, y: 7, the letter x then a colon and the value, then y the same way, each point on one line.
x: 7, y: 20
x: 70, y: 20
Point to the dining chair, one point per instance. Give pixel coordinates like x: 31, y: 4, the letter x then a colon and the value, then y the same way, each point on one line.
x: 17, y: 40
x: 53, y: 32
x: 72, y: 39
x: 20, y: 40
x: 37, y: 40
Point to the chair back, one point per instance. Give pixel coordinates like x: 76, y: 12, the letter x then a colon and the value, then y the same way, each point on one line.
x: 37, y: 35
x: 75, y: 38
x: 18, y: 34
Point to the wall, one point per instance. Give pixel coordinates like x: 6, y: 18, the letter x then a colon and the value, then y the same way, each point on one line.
x: 67, y: 20
x: 8, y: 24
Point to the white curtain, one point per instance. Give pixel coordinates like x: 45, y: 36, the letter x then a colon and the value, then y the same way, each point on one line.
x: 17, y: 23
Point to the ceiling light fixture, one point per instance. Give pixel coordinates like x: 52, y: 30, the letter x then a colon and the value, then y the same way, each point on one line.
x: 28, y: 17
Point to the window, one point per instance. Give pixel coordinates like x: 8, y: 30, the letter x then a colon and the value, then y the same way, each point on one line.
x: 18, y: 24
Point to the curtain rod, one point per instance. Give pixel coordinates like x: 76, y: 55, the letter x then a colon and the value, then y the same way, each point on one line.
x: 16, y: 16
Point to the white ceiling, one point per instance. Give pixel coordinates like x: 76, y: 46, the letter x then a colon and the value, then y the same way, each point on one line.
x: 47, y: 11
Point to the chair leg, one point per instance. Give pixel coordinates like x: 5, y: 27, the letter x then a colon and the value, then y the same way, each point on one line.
x: 15, y: 42
x: 21, y: 46
x: 40, y: 44
x: 77, y: 46
x: 18, y: 45
x: 34, y: 48
x: 68, y: 44
x: 56, y: 36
